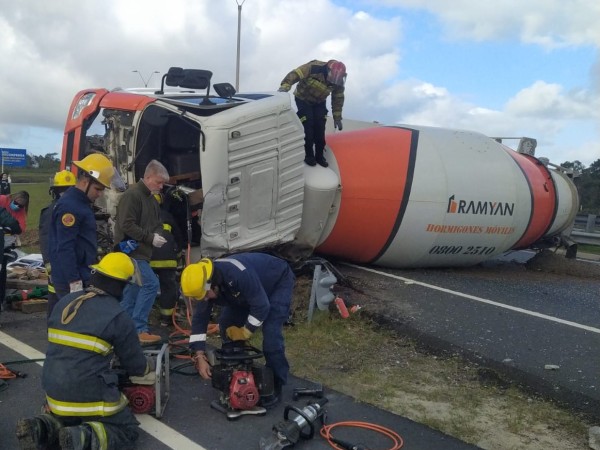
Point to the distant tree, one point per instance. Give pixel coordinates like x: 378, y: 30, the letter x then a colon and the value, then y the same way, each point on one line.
x: 595, y: 168
x: 577, y: 166
x: 588, y: 185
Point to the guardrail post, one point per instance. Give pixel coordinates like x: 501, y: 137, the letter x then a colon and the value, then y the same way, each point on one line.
x: 591, y: 223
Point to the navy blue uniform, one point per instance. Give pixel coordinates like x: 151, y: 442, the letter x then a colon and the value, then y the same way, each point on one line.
x: 79, y: 383
x: 256, y: 290
x: 73, y: 241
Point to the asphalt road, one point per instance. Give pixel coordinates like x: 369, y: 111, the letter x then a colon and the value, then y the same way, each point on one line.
x: 188, y: 422
x: 502, y: 315
x: 536, y: 328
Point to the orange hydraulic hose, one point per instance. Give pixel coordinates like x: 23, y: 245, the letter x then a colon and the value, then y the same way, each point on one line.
x: 395, y: 437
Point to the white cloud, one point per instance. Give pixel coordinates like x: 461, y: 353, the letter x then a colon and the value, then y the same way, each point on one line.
x: 549, y: 23
x: 52, y: 50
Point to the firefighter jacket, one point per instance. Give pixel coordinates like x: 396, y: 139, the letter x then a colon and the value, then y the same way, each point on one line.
x: 8, y: 224
x: 165, y: 257
x: 44, y: 230
x: 72, y: 238
x: 138, y: 218
x: 77, y: 376
x: 313, y: 87
x: 248, y: 279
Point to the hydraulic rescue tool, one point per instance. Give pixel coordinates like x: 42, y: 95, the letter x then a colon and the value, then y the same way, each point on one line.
x: 289, y: 431
x: 145, y: 398
x: 317, y: 392
x: 241, y: 382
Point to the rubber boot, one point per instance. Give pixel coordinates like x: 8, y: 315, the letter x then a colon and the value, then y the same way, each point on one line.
x: 320, y: 159
x: 37, y: 432
x: 309, y: 158
x: 271, y: 401
x: 75, y: 438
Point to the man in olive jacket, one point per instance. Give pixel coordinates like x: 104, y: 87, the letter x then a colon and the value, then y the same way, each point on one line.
x: 138, y: 218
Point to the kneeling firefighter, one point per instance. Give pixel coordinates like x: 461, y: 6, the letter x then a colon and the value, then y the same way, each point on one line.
x: 85, y: 331
x: 253, y: 290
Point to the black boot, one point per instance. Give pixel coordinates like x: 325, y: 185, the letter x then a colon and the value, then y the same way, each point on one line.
x: 271, y: 401
x: 75, y: 438
x: 31, y: 434
x: 310, y: 160
x: 37, y: 432
x: 320, y: 159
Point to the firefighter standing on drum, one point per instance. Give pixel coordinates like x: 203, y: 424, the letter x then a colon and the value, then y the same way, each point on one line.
x: 316, y: 80
x: 253, y: 290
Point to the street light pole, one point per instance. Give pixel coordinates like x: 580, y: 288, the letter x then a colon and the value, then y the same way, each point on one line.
x: 237, y: 66
x: 142, y: 77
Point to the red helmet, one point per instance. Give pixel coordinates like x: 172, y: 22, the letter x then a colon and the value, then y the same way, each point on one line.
x: 337, y: 72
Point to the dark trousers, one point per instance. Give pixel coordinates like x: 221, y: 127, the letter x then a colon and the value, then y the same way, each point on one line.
x: 2, y: 282
x: 169, y: 290
x: 313, y: 118
x: 273, y: 345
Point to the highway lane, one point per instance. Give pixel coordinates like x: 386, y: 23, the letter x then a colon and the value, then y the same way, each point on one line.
x: 189, y: 423
x: 504, y: 316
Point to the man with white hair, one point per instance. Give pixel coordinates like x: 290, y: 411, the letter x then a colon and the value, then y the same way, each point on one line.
x: 138, y: 218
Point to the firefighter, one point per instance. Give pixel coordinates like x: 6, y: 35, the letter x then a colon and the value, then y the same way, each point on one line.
x: 86, y: 330
x: 62, y: 181
x: 316, y: 80
x: 253, y: 290
x: 164, y: 262
x: 72, y: 237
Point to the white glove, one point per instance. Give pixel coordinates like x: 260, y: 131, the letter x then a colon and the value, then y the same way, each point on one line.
x: 76, y: 286
x: 148, y: 379
x: 158, y: 240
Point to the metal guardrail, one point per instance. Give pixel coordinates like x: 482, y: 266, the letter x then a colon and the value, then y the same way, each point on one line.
x: 586, y: 229
x: 581, y: 237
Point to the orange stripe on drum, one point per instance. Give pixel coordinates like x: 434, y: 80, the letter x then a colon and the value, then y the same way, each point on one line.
x: 375, y: 167
x: 543, y: 198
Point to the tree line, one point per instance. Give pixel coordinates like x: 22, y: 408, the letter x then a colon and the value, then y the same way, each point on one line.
x: 587, y: 180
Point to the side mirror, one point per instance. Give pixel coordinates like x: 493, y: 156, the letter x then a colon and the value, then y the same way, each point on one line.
x: 224, y: 90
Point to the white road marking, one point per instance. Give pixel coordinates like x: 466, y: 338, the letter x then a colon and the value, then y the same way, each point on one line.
x: 149, y: 424
x: 480, y: 299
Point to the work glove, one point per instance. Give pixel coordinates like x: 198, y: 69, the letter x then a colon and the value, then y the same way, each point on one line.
x: 149, y: 377
x: 76, y: 286
x: 128, y: 246
x: 202, y: 365
x: 147, y: 380
x: 337, y: 123
x: 238, y: 333
x: 158, y: 241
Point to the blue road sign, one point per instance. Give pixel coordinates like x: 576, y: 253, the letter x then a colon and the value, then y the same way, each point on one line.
x: 14, y: 157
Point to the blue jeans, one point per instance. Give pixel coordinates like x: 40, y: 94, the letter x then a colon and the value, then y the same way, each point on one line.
x: 138, y: 300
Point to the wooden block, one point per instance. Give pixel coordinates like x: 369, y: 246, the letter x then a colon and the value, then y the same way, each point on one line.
x: 16, y: 283
x: 34, y: 305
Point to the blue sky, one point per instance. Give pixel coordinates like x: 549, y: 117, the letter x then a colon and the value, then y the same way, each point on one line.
x: 508, y: 68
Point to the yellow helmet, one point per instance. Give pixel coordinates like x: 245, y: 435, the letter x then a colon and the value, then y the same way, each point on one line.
x: 98, y: 167
x: 115, y: 265
x: 196, y: 279
x: 64, y: 178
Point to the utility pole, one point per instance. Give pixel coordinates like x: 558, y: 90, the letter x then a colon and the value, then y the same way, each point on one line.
x: 237, y: 66
x: 142, y: 77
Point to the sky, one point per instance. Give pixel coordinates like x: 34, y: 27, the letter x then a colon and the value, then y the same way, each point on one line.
x: 503, y: 68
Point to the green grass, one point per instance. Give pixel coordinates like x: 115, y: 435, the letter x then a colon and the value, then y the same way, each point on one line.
x: 585, y: 248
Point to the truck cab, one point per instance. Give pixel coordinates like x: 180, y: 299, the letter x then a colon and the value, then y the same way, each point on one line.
x: 235, y: 160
